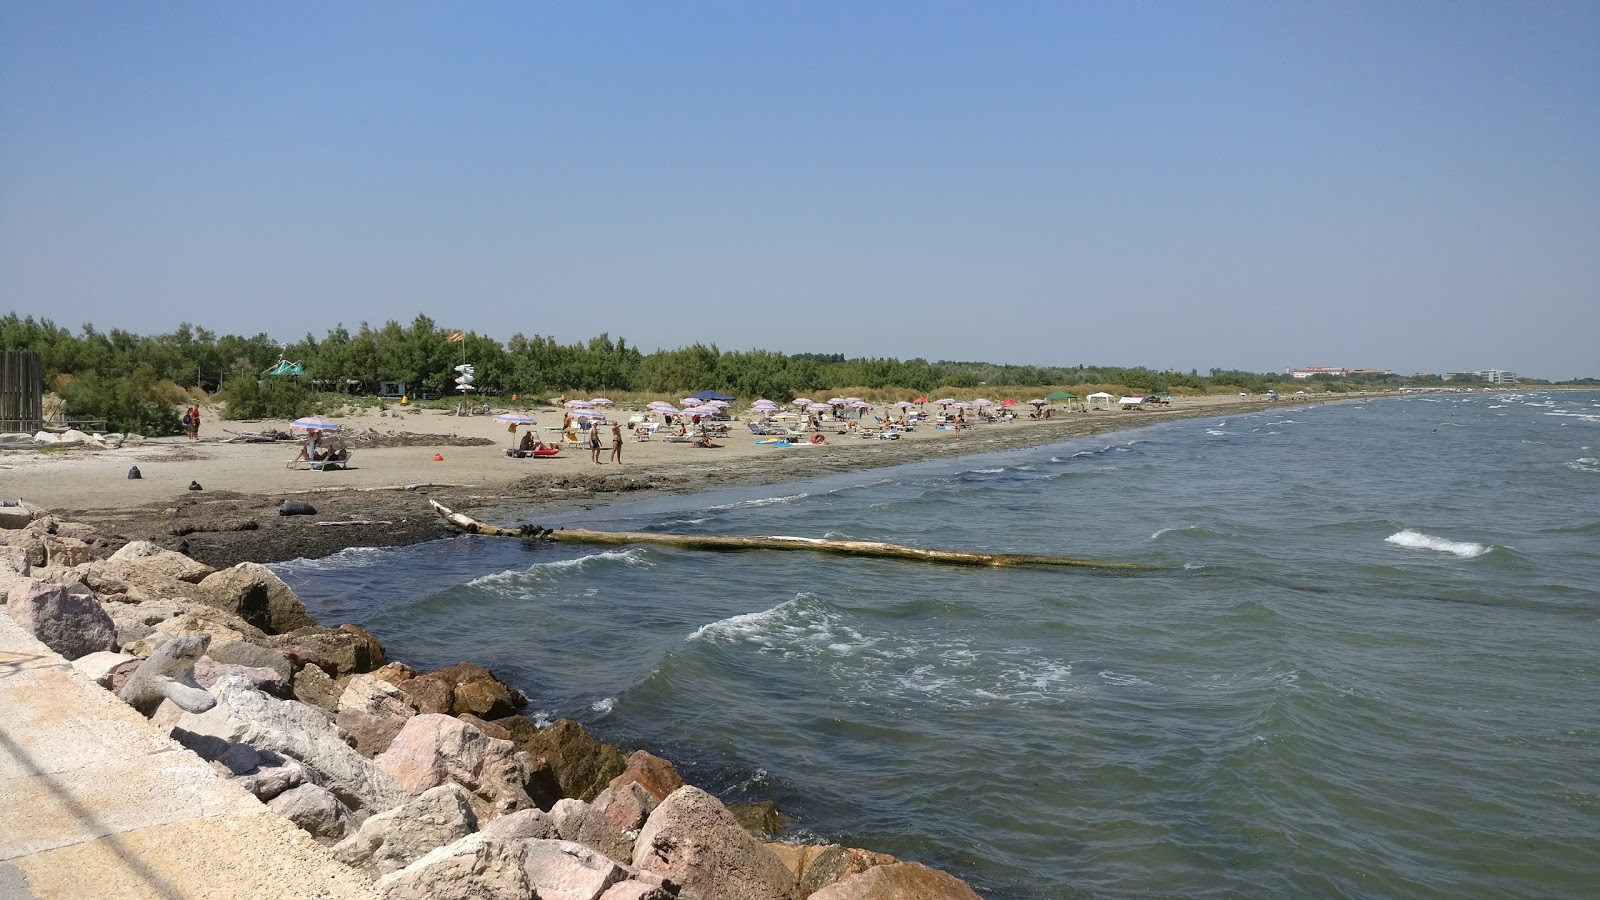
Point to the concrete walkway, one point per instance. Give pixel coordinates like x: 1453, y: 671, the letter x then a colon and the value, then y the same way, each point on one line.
x: 96, y: 803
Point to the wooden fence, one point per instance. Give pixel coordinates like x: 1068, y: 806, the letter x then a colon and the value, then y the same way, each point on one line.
x: 21, y: 390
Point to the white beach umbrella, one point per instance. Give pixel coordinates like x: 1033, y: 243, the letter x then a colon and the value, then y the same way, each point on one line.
x: 801, y: 401
x: 818, y: 407
x: 983, y: 401
x: 719, y: 404
x: 577, y: 404
x: 600, y: 401
x: 946, y: 401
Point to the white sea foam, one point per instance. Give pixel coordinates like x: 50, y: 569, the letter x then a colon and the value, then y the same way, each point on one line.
x: 1416, y: 540
x: 793, y: 627
x: 989, y: 471
x: 560, y: 567
x: 1217, y: 431
x: 1120, y: 679
x: 1453, y: 424
x: 605, y: 706
x: 348, y: 558
x: 764, y: 501
x: 1585, y: 464
x: 1174, y: 528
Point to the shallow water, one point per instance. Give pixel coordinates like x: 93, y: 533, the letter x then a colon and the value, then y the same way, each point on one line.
x: 1373, y: 670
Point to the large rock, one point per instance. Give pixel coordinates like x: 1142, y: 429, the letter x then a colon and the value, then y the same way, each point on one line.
x: 817, y: 866
x: 316, y: 810
x: 653, y: 773
x: 72, y: 625
x: 15, y: 565
x: 272, y: 774
x: 244, y: 653
x: 176, y: 618
x: 898, y: 881
x: 636, y: 890
x: 693, y: 840
x: 581, y: 823
x: 524, y: 824
x: 99, y: 667
x: 246, y: 715
x: 563, y: 870
x: 583, y: 764
x: 257, y: 595
x: 141, y: 584
x: 208, y: 672
x: 14, y: 515
x: 392, y: 840
x: 168, y: 674
x: 431, y: 694
x: 373, y: 711
x: 60, y: 550
x: 473, y: 868
x: 476, y: 691
x: 432, y: 749
x: 346, y: 650
x: 314, y: 687
x: 154, y: 558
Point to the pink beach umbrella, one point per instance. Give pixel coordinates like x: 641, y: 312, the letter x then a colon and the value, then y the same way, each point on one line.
x: 801, y: 401
x: 314, y: 423
x: 818, y: 407
x: 1039, y: 402
x: 600, y: 401
x: 577, y: 404
x: 983, y: 401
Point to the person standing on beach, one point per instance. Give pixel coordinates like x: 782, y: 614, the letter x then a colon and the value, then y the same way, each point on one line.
x: 594, y: 443
x: 191, y: 422
x: 616, y: 442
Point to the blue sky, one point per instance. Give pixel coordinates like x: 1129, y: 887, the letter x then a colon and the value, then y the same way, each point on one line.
x: 1400, y: 185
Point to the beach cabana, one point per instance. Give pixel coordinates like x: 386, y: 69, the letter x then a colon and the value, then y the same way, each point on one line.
x: 1101, y: 400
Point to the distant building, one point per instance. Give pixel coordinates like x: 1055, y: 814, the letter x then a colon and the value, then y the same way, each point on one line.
x: 1488, y: 376
x: 1335, y: 371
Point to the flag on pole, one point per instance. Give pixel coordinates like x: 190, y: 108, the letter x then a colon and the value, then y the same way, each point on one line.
x: 456, y: 338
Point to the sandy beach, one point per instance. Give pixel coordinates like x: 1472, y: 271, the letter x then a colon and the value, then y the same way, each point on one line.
x: 381, y: 500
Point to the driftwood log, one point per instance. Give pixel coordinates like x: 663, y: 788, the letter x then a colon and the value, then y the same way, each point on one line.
x: 781, y: 542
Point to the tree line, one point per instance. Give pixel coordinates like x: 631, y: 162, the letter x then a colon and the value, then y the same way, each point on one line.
x: 134, y: 381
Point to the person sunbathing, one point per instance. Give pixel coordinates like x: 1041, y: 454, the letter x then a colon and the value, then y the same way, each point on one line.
x: 703, y: 440
x: 530, y: 443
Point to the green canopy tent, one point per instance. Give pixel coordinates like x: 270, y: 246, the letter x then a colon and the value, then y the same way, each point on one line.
x: 284, y: 367
x: 1060, y: 395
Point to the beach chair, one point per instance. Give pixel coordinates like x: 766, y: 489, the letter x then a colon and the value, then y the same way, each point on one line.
x: 680, y: 438
x: 329, y: 465
x: 758, y: 430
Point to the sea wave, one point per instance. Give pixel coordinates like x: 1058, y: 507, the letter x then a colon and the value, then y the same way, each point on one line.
x: 1417, y: 540
x: 1585, y: 464
x: 1217, y: 431
x: 555, y: 568
x: 764, y: 501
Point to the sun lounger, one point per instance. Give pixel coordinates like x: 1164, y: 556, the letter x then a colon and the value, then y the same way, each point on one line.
x: 537, y: 453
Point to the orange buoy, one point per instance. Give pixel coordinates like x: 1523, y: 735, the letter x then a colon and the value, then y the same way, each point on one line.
x: 438, y: 457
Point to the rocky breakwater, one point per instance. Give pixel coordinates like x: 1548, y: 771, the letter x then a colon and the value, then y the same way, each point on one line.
x: 431, y: 783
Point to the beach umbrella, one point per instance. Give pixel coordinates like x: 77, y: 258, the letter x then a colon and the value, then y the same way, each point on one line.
x: 763, y: 404
x: 577, y: 404
x: 818, y: 407
x: 514, y: 419
x: 314, y: 423
x: 1008, y: 402
x: 600, y: 401
x: 690, y: 401
x: 839, y: 400
x: 719, y: 404
x: 905, y: 404
x: 1038, y: 402
x: 983, y: 401
x: 946, y: 401
x: 801, y: 401
x: 588, y: 414
x: 861, y: 404
x: 920, y: 400
x: 962, y: 405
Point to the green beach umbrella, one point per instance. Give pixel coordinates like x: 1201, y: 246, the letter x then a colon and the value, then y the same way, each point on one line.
x: 1060, y: 395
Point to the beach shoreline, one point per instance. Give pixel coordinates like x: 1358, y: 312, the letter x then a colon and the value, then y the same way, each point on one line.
x: 382, y: 499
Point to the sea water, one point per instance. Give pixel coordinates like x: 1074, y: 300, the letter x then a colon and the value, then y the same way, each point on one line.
x: 1373, y: 668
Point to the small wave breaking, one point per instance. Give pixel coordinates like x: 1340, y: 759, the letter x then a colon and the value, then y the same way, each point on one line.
x: 1417, y: 540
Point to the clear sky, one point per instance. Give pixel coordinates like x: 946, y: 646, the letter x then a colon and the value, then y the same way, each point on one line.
x: 1405, y: 185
